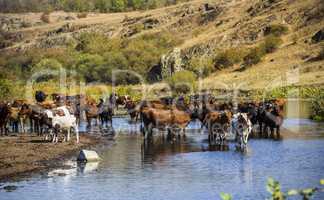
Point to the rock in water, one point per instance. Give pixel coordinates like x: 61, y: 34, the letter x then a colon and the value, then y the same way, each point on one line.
x: 88, y: 156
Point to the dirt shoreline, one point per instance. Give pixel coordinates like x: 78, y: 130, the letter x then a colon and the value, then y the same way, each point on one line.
x: 24, y: 155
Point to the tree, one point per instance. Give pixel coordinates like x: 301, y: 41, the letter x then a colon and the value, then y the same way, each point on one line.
x: 89, y: 66
x: 6, y: 89
x: 118, y: 5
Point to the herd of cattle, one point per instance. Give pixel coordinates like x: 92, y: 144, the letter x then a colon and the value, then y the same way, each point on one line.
x: 63, y: 114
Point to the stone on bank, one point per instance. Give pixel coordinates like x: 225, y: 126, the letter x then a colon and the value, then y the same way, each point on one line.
x: 88, y: 156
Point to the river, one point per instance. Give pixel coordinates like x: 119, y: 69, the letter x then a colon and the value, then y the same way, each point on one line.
x: 183, y: 170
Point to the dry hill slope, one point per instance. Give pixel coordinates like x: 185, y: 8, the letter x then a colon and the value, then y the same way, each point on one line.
x: 206, y: 27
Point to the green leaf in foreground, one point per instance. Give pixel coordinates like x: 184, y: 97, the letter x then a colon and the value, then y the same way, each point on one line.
x: 322, y: 181
x: 225, y: 196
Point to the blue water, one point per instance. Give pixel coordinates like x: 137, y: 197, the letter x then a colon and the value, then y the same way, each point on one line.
x: 181, y: 170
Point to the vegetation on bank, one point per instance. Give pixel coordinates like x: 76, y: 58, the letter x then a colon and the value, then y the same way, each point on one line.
x: 82, y: 5
x: 276, y: 193
x: 94, y: 58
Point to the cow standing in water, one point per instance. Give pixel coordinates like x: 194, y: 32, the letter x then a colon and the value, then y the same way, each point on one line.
x: 218, y: 124
x: 172, y: 119
x: 4, y: 117
x: 132, y: 110
x: 105, y: 112
x: 241, y: 126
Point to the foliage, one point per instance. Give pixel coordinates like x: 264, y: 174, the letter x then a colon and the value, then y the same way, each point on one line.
x: 228, y: 57
x: 182, y: 81
x: 274, y: 188
x: 81, y: 5
x: 276, y: 30
x: 225, y: 196
x: 6, y: 88
x: 95, y: 57
x: 270, y: 44
x: 201, y: 66
x: 254, y: 56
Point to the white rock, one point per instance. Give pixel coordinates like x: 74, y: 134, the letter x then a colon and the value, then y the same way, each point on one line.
x: 88, y: 156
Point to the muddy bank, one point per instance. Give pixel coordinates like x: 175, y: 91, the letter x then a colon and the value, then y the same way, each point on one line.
x: 23, y: 155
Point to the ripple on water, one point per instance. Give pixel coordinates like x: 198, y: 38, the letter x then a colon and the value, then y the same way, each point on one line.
x: 131, y: 170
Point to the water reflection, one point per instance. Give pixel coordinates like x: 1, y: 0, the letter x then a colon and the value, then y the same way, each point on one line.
x: 88, y: 167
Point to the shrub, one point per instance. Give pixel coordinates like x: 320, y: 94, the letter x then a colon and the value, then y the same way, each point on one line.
x: 270, y: 44
x: 82, y: 15
x: 228, y: 58
x: 45, y: 17
x: 254, y: 56
x: 201, y: 66
x: 182, y: 81
x: 276, y: 30
x: 5, y: 86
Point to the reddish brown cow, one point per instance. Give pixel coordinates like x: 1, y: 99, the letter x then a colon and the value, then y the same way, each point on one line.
x: 160, y: 118
x: 217, y: 123
x: 132, y: 110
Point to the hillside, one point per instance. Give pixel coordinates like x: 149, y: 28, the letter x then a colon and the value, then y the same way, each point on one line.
x: 203, y: 30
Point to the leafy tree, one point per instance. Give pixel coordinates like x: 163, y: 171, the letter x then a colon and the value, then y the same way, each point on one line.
x: 118, y: 5
x: 6, y: 88
x: 89, y: 66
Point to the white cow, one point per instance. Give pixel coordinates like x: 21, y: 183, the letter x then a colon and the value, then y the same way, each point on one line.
x: 241, y: 126
x: 63, y: 120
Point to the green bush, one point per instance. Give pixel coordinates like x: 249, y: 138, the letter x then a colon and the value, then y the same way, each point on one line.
x: 254, y: 56
x: 201, y: 66
x: 271, y: 43
x: 228, y: 57
x: 182, y: 81
x: 276, y: 30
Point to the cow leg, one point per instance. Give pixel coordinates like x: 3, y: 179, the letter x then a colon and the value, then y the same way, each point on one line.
x: 183, y: 130
x: 77, y: 134
x: 272, y: 132
x: 169, y: 135
x: 89, y: 124
x: 265, y: 131
x: 68, y: 134
x: 22, y: 125
x: 260, y: 130
x: 278, y: 132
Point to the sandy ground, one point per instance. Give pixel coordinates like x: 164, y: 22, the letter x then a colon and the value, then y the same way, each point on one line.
x: 22, y: 155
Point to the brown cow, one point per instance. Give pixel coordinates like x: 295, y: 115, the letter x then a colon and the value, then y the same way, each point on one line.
x: 91, y: 112
x: 217, y: 123
x: 132, y: 110
x: 161, y: 119
x: 4, y: 117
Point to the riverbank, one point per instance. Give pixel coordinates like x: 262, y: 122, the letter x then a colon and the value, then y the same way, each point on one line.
x: 26, y: 154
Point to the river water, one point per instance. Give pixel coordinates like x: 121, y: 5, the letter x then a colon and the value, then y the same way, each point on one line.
x: 131, y: 169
